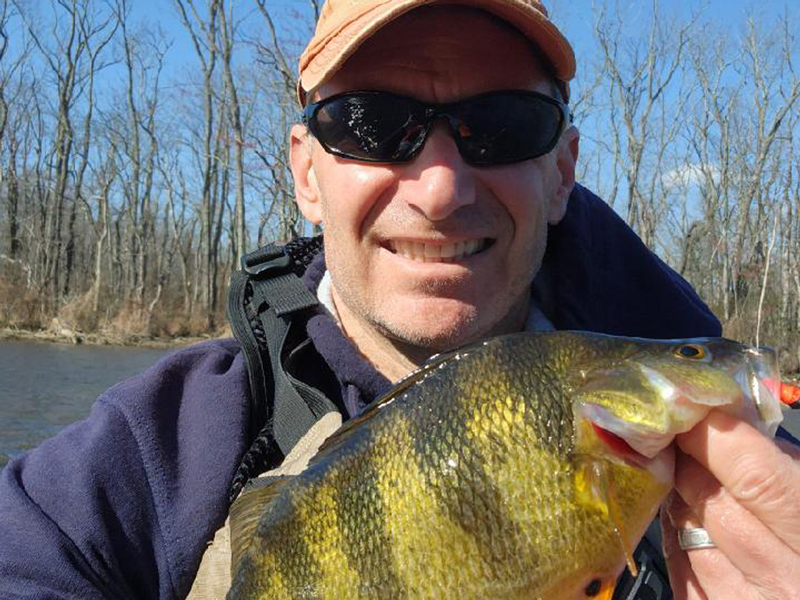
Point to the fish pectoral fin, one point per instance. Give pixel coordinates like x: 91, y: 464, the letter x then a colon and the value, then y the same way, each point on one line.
x: 596, y: 487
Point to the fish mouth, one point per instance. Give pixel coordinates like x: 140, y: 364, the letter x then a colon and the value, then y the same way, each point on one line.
x: 637, y: 447
x: 642, y: 445
x: 624, y: 437
x: 750, y: 391
x: 620, y: 447
x: 437, y: 250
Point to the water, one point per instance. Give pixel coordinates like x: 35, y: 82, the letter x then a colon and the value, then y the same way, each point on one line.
x: 45, y: 386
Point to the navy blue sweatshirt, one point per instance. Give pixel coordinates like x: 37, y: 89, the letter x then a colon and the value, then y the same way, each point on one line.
x: 122, y: 504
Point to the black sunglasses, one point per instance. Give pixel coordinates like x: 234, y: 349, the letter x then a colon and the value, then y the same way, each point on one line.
x: 489, y: 129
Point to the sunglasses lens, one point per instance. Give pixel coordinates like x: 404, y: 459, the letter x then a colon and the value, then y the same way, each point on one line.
x: 490, y: 129
x: 506, y: 127
x: 370, y: 126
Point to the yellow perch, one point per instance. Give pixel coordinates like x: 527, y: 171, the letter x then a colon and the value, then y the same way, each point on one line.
x: 525, y: 467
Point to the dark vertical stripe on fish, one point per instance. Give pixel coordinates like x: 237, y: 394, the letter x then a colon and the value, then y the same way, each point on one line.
x: 466, y: 490
x: 362, y: 525
x: 298, y: 565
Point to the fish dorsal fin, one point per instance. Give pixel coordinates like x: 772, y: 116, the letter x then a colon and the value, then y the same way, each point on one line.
x: 341, y: 436
x: 596, y: 487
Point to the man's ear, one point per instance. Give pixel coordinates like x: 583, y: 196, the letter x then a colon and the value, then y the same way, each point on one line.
x: 566, y: 158
x: 306, y: 187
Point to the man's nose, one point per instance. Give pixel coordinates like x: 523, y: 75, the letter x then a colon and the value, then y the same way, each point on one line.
x: 437, y: 181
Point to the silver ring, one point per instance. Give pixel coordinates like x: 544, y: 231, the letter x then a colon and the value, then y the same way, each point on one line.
x: 694, y: 539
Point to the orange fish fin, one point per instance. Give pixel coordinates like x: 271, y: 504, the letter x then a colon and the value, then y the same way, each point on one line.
x: 790, y: 395
x: 600, y: 589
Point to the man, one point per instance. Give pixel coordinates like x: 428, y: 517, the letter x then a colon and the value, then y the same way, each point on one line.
x: 442, y: 226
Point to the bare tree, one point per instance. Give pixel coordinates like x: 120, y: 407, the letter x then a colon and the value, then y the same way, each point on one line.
x: 278, y: 84
x: 639, y: 72
x: 105, y: 32
x: 227, y: 30
x: 106, y: 178
x: 206, y: 49
x: 12, y: 70
x: 66, y: 61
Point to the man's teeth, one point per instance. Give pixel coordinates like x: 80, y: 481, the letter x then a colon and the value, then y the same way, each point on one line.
x: 437, y: 252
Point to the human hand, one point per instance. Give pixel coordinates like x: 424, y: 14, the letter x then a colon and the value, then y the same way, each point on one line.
x: 744, y: 489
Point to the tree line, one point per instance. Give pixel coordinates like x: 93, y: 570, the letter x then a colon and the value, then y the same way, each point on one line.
x: 131, y: 184
x: 129, y: 196
x: 691, y: 138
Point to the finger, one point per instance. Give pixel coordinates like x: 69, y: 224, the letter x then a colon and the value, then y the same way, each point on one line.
x: 789, y: 448
x: 713, y: 572
x: 682, y: 578
x: 752, y: 468
x: 748, y: 554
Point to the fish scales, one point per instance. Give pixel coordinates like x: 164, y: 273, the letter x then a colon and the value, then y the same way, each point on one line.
x: 457, y: 474
x: 357, y: 529
x: 468, y: 482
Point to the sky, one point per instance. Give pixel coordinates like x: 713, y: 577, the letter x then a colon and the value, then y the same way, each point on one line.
x: 574, y: 17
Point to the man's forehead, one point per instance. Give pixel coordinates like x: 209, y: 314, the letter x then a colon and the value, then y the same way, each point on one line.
x: 455, y: 50
x: 347, y: 25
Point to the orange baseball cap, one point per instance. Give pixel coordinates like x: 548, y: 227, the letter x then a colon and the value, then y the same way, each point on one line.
x: 344, y: 25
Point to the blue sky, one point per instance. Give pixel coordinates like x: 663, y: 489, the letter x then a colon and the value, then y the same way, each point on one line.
x: 573, y: 16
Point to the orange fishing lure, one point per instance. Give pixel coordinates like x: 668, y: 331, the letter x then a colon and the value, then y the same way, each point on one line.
x: 790, y: 394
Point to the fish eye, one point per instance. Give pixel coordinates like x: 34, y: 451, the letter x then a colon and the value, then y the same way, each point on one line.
x: 593, y: 588
x: 693, y: 351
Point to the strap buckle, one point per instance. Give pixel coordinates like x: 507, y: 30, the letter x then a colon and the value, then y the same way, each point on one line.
x: 264, y: 260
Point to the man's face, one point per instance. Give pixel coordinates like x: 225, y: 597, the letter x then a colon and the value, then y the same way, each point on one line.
x: 381, y: 221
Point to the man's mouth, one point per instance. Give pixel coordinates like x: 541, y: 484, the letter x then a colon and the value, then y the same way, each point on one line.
x: 437, y: 252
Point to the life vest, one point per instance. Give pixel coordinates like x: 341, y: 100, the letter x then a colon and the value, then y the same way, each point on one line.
x: 268, y: 306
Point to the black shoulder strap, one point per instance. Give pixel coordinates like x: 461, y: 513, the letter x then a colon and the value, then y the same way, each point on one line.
x: 266, y: 301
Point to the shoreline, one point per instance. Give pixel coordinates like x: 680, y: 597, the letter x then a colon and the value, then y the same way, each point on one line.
x: 69, y: 337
